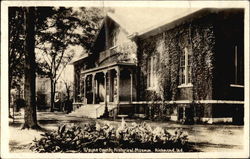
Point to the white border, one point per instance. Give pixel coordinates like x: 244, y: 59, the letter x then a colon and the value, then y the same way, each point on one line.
x: 170, y: 4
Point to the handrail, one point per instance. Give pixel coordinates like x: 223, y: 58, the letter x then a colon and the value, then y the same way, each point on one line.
x: 113, y: 111
x: 96, y: 110
x: 115, y: 107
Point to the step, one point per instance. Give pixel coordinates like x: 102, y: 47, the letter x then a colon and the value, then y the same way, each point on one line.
x: 89, y: 111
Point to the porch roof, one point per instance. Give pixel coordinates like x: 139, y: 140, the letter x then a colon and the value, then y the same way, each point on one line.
x: 107, y: 67
x: 78, y: 59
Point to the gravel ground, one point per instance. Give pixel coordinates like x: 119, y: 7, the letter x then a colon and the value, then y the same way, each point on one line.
x: 205, y: 138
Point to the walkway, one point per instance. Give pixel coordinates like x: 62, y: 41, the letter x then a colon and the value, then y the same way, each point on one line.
x: 207, y: 138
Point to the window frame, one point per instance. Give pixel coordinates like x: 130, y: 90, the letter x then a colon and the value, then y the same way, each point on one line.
x: 151, y: 72
x: 186, y: 71
x: 236, y: 64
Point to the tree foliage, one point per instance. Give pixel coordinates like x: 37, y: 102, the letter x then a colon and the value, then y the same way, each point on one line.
x: 60, y: 31
x: 16, y: 46
x: 55, y: 30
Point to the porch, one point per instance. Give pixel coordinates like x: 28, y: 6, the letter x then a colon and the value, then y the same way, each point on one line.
x: 111, y: 86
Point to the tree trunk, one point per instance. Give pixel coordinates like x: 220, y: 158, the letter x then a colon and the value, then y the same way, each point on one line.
x: 68, y: 93
x: 52, y: 95
x: 54, y: 91
x: 10, y: 80
x: 30, y: 118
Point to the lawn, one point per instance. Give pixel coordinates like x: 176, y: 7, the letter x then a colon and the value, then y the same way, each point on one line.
x: 205, y: 138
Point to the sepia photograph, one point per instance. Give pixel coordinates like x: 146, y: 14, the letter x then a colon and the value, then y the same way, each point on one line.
x: 135, y: 79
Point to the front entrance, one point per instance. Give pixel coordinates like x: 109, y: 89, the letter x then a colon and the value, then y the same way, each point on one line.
x: 111, y: 86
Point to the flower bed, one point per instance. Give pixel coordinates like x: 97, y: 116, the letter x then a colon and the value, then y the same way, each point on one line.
x: 105, y: 138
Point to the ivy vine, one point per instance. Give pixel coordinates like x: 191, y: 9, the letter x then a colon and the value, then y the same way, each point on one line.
x: 199, y: 38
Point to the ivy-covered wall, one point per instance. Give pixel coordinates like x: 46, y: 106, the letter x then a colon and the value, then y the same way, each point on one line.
x: 198, y: 37
x: 211, y: 38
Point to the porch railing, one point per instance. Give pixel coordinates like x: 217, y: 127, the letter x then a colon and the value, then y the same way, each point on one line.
x: 124, y: 52
x: 107, y: 53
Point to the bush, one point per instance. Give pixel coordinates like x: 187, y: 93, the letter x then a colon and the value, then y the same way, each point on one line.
x: 94, y: 136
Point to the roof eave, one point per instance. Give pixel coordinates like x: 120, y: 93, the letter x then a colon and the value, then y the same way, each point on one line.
x: 78, y: 60
x: 179, y: 21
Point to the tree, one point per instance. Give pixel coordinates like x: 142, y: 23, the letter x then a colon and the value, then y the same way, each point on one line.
x: 16, y: 49
x: 62, y: 30
x: 30, y: 118
x: 33, y: 28
x: 68, y: 88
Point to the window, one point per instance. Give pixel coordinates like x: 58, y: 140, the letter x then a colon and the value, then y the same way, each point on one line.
x: 114, y: 40
x: 151, y: 72
x: 238, y: 74
x: 185, y: 68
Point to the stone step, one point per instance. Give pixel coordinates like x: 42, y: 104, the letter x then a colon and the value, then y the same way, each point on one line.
x: 90, y: 111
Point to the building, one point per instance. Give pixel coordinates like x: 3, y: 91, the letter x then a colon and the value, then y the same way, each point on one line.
x: 188, y: 69
x: 43, y: 95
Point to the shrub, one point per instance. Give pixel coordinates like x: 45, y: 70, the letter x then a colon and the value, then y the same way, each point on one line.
x: 94, y: 136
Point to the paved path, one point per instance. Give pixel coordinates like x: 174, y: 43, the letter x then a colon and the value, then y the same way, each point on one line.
x: 207, y: 138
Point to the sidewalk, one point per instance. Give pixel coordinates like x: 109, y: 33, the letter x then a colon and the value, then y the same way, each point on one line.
x: 206, y: 138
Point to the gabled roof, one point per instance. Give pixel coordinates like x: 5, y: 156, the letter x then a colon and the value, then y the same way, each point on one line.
x: 119, y: 22
x: 144, y: 21
x: 115, y: 19
x: 139, y: 20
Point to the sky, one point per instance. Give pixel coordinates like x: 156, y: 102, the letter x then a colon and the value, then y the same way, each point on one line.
x: 138, y: 19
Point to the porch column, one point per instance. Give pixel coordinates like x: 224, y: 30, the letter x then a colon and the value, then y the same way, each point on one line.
x: 118, y: 84
x: 93, y: 87
x: 105, y: 87
x: 74, y: 85
x: 84, y: 89
x: 110, y: 86
x: 96, y: 90
x: 118, y: 90
x: 81, y: 86
x: 131, y: 86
